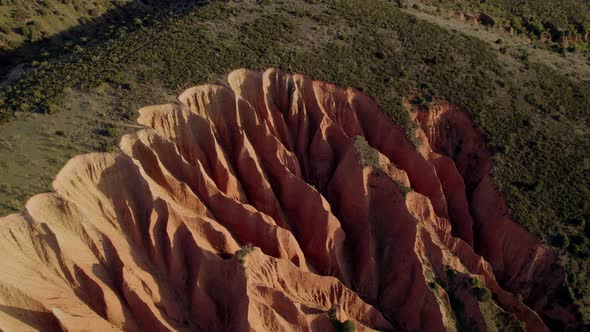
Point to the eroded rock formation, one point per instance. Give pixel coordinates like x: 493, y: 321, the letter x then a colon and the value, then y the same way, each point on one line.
x: 341, y: 210
x: 520, y: 263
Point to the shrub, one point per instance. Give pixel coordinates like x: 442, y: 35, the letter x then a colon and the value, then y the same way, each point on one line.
x: 346, y: 326
x: 333, y: 312
x: 366, y: 154
x: 380, y: 55
x: 561, y: 241
x: 576, y: 221
x: 5, y: 28
x: 108, y: 130
x: 241, y: 254
x: 422, y: 101
x: 24, y: 107
x: 451, y: 273
x: 129, y: 85
x: 523, y: 56
x: 473, y: 282
x: 482, y: 294
x: 579, y: 245
x: 535, y: 27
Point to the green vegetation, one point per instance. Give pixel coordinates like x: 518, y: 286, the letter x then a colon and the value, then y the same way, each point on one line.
x: 557, y: 25
x: 346, y: 326
x: 483, y: 294
x: 473, y: 281
x: 367, y: 155
x: 243, y: 252
x: 30, y: 21
x: 461, y: 287
x: 535, y: 119
x: 507, y: 322
x: 499, y: 320
x: 433, y: 285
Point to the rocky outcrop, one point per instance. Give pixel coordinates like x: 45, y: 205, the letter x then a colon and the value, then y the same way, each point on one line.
x: 520, y: 262
x: 261, y: 206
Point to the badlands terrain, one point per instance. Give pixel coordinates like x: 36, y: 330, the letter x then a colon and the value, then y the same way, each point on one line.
x: 428, y: 168
x: 278, y: 203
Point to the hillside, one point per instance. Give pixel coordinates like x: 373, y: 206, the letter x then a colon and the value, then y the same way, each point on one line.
x: 534, y: 119
x: 23, y: 21
x: 43, y: 30
x: 562, y: 26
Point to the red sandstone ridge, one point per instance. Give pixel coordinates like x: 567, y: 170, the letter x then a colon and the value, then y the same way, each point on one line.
x: 520, y: 262
x: 341, y: 211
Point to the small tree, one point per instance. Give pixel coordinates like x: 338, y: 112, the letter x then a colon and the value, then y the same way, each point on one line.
x: 473, y: 281
x: 482, y: 294
x: 346, y: 326
x: 451, y: 273
x: 241, y: 254
x: 561, y: 240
